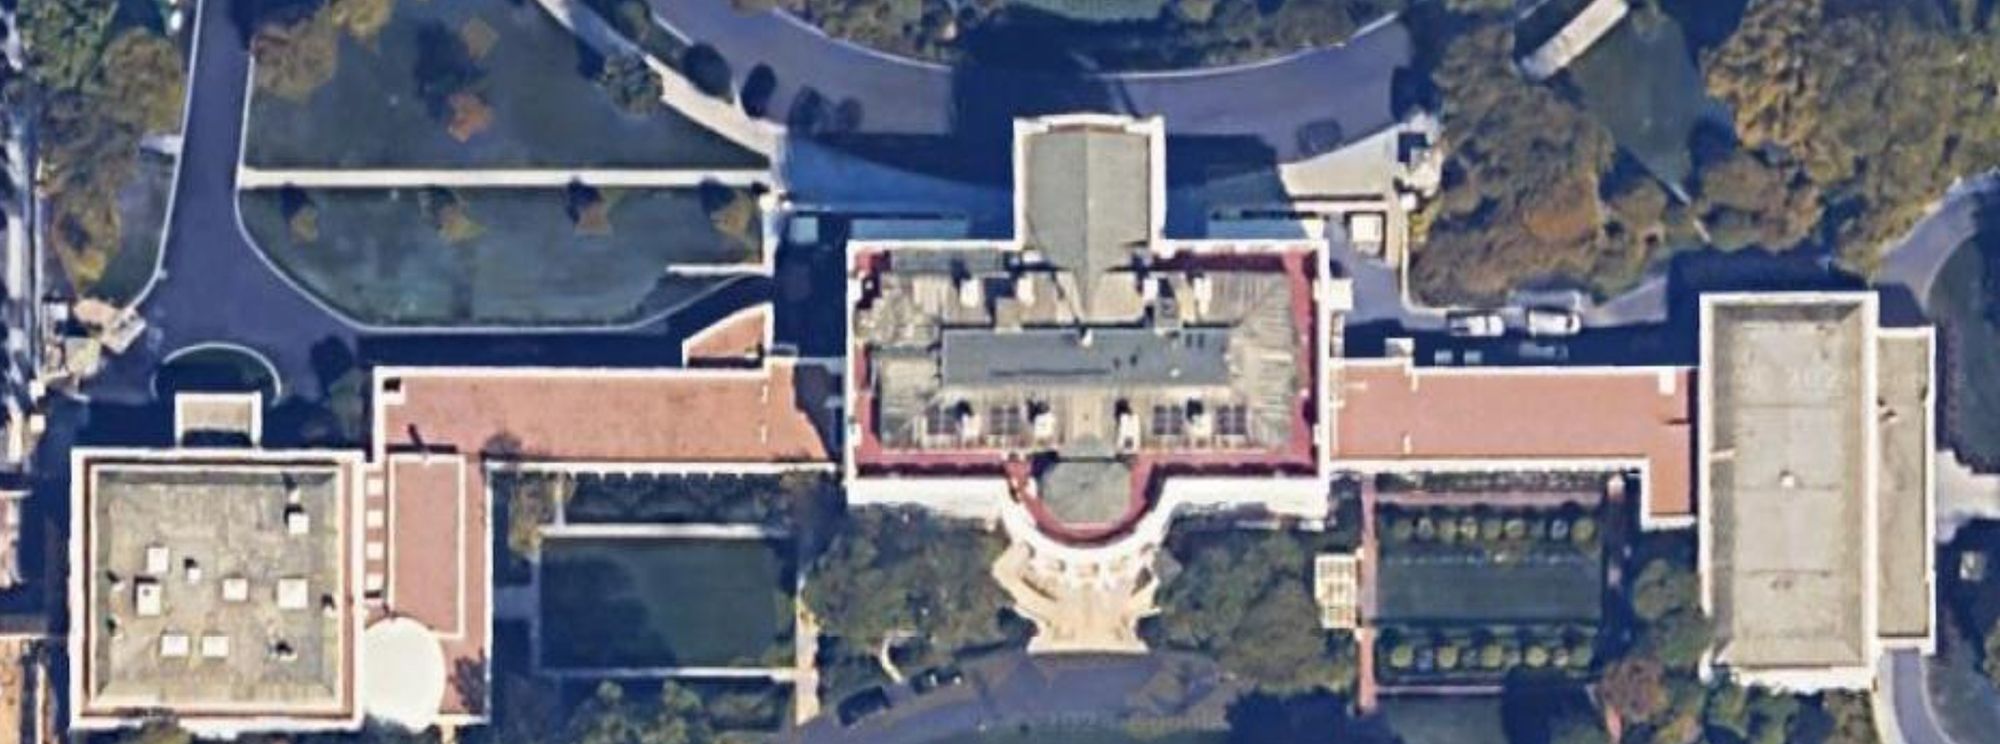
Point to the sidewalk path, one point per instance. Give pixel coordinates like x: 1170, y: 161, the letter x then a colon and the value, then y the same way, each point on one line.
x: 368, y: 178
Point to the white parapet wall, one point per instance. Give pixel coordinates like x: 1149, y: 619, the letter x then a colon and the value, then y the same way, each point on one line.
x: 1575, y: 38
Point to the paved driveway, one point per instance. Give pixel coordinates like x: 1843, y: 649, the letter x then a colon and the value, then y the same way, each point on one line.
x: 1014, y: 688
x: 1342, y: 93
x: 212, y: 286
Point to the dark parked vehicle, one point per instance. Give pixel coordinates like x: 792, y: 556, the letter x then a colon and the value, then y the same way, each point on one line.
x: 935, y: 678
x: 862, y: 705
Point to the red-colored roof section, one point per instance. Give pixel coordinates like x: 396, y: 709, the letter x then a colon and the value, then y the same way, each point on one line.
x: 437, y: 562
x: 438, y: 504
x: 737, y: 338
x: 1393, y: 411
x: 684, y: 415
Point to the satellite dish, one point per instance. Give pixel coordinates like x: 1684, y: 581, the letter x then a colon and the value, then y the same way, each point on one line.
x: 403, y: 673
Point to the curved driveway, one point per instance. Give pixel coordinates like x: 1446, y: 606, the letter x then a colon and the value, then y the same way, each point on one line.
x: 1909, y: 703
x: 1916, y: 260
x: 1342, y: 93
x: 212, y: 286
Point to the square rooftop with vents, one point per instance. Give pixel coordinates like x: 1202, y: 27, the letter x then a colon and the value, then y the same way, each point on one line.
x: 214, y: 588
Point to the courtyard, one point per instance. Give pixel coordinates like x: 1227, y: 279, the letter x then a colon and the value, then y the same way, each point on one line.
x: 628, y: 603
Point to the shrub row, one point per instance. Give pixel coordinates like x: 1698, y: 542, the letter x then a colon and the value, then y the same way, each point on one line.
x: 1484, y: 652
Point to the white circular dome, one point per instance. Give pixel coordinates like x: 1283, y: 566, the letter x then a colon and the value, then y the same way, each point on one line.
x: 403, y: 673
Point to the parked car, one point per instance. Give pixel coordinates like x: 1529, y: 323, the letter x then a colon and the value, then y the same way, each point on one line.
x: 862, y: 705
x: 1476, y: 324
x: 1547, y: 321
x: 932, y: 679
x: 1540, y: 351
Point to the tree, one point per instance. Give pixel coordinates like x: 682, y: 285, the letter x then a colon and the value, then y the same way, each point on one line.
x: 1746, y: 200
x: 632, y: 84
x: 1635, y: 688
x: 1520, y: 196
x: 293, y: 60
x: 1882, y: 105
x: 142, y: 72
x: 1990, y: 662
x: 1663, y: 587
x: 1851, y: 720
x: 1247, y: 601
x: 532, y: 501
x: 1680, y: 638
x: 64, y: 40
x: 100, y: 97
x: 888, y: 573
x: 733, y: 213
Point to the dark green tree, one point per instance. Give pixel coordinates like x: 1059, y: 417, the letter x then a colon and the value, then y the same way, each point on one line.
x: 632, y: 84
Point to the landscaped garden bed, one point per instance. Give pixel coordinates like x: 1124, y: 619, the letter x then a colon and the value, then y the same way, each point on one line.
x: 772, y: 500
x: 1480, y: 565
x: 1470, y: 595
x: 1496, y: 481
x: 484, y: 83
x: 426, y: 256
x: 618, y: 603
x: 1465, y: 654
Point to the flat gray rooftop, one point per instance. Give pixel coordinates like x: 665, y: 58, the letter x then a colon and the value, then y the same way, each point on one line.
x: 1904, y: 375
x: 1088, y: 193
x: 1060, y: 357
x: 1786, y: 485
x: 218, y: 523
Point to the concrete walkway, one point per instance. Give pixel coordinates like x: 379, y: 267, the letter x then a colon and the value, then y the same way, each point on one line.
x: 720, y: 116
x: 369, y: 178
x: 1963, y: 495
x: 1577, y: 37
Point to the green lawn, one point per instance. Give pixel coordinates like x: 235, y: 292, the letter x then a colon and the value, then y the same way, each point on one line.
x: 1431, y: 585
x: 546, y: 112
x: 378, y: 255
x: 142, y: 216
x: 1972, y: 383
x: 642, y: 602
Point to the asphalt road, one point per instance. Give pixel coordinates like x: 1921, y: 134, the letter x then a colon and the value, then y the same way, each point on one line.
x: 1915, y: 262
x: 213, y: 287
x: 1342, y: 93
x: 1087, y: 692
x: 1911, y: 703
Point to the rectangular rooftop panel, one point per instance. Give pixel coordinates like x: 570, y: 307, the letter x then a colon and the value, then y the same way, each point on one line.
x: 1106, y: 357
x: 1786, y: 490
